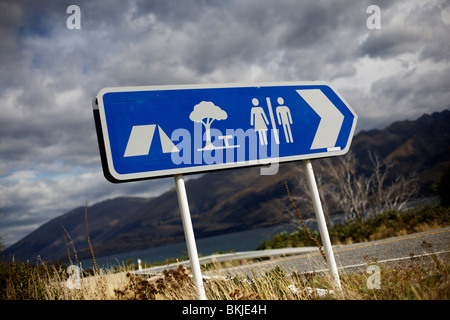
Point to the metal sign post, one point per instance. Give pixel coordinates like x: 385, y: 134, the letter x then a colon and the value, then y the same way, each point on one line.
x: 189, y: 235
x: 321, y: 222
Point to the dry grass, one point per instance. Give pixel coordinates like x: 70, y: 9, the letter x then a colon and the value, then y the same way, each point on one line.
x: 419, y: 278
x: 178, y: 285
x: 98, y: 287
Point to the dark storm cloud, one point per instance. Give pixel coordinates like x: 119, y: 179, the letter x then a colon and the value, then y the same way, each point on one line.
x: 390, y: 43
x: 420, y: 30
x: 176, y: 13
x: 411, y: 92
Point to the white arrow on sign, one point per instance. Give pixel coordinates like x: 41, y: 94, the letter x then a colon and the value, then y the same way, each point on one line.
x: 331, y: 118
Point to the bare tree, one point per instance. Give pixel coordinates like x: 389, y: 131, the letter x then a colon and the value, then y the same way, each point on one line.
x: 401, y: 192
x: 381, y: 170
x: 358, y: 195
x: 303, y: 194
x: 350, y: 192
x: 398, y: 193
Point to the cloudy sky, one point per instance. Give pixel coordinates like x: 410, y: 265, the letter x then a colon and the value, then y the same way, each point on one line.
x: 49, y: 158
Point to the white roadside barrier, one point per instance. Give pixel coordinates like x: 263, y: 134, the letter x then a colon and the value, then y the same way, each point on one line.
x: 230, y: 257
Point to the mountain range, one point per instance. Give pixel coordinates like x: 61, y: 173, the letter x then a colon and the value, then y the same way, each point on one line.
x: 227, y: 201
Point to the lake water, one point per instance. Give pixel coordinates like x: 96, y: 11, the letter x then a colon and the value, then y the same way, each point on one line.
x: 239, y: 241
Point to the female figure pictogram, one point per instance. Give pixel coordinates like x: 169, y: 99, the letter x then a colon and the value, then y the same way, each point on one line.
x: 259, y: 120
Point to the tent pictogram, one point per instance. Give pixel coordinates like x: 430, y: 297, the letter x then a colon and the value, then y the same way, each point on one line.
x: 141, y: 138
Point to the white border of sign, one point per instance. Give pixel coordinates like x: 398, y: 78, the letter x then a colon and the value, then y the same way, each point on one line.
x: 197, y: 169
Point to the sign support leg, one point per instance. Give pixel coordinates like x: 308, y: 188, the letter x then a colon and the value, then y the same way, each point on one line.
x: 189, y: 234
x: 321, y: 222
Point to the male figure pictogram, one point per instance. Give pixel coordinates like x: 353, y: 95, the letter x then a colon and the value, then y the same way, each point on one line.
x: 285, y: 119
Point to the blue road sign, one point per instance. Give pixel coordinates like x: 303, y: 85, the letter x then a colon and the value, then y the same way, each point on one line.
x: 149, y: 132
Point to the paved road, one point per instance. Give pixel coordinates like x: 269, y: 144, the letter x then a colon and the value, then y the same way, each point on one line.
x: 357, y: 256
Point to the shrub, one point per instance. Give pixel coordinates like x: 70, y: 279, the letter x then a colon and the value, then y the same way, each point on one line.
x: 388, y: 224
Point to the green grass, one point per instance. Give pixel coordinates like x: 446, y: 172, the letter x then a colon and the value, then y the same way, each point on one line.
x: 387, y: 224
x: 25, y: 281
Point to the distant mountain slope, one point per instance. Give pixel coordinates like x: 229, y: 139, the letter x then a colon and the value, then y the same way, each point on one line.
x: 228, y: 201
x: 48, y: 240
x: 422, y: 146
